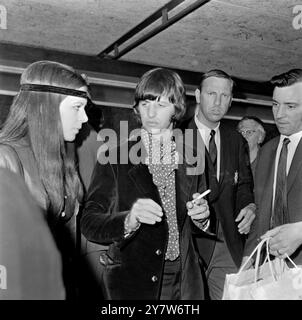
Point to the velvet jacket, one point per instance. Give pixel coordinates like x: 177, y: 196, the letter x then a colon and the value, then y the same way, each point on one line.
x: 264, y: 180
x: 134, y: 265
x: 232, y: 193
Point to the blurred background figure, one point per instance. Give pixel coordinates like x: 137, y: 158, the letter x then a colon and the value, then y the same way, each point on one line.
x: 252, y: 129
x: 31, y: 265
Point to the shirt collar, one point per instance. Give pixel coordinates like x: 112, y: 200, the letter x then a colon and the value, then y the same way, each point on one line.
x: 202, y: 126
x: 295, y: 137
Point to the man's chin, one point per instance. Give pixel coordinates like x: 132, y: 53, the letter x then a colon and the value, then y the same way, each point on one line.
x: 284, y: 131
x: 154, y: 130
x: 216, y: 118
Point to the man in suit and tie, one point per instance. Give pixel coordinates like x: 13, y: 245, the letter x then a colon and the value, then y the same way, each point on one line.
x: 229, y: 177
x: 278, y: 181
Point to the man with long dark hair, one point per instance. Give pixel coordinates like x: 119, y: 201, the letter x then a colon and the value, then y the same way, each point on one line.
x: 145, y: 210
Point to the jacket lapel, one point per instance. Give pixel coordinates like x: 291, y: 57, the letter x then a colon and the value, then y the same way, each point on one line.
x: 265, y: 178
x: 185, y: 184
x: 223, y: 154
x: 140, y: 175
x: 295, y: 166
x: 209, y: 171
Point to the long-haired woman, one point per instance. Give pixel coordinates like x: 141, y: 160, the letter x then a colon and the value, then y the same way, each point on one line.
x: 45, y: 115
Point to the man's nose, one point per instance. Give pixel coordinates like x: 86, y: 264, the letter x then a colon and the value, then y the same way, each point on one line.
x: 280, y: 112
x: 152, y: 110
x: 217, y: 101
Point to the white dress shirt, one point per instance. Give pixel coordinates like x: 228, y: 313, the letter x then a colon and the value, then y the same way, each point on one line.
x: 205, y: 133
x: 291, y: 147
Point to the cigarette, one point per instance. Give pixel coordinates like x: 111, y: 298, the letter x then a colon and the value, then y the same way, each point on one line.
x: 201, y: 195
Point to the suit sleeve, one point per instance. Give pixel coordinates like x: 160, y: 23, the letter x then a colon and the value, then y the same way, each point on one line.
x: 253, y: 235
x: 245, y: 194
x: 101, y: 220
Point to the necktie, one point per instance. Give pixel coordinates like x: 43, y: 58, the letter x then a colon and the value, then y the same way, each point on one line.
x: 213, y: 149
x: 280, y: 215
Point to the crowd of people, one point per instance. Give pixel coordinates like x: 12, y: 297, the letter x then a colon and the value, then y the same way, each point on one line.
x: 140, y: 226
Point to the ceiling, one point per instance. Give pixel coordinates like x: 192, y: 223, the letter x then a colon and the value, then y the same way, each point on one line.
x: 250, y: 39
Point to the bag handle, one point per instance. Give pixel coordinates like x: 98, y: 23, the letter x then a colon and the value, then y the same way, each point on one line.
x: 257, y: 250
x: 267, y: 258
x: 292, y: 262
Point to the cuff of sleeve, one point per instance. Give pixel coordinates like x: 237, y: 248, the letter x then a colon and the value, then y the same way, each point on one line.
x: 252, y: 206
x: 203, y: 225
x: 127, y: 230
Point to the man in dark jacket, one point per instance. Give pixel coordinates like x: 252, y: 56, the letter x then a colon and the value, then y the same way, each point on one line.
x: 145, y: 209
x: 229, y: 178
x: 278, y: 182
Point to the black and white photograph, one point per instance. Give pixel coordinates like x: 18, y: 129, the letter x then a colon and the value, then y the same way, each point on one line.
x: 150, y: 153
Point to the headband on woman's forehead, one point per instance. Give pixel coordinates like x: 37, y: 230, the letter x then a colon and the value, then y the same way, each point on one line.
x: 54, y: 89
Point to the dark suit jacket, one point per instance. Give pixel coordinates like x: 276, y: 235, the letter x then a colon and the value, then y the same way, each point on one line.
x: 28, y: 252
x: 264, y: 180
x: 134, y: 265
x: 233, y: 192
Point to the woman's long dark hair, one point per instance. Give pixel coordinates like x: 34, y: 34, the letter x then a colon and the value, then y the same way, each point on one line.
x: 35, y: 117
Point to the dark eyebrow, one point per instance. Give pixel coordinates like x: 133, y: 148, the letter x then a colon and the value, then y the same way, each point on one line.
x: 150, y: 97
x: 287, y: 103
x: 291, y: 102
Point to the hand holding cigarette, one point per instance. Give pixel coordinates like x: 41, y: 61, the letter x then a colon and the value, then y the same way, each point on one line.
x: 202, y: 195
x: 198, y: 208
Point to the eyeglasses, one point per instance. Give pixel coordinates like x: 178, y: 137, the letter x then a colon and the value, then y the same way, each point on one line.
x: 247, y: 133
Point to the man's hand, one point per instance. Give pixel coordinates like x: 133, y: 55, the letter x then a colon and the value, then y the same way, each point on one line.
x: 144, y: 211
x: 246, y: 216
x: 285, y: 239
x: 198, y: 210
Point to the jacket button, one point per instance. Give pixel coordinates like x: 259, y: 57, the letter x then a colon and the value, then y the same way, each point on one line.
x: 63, y: 214
x: 158, y: 252
x: 154, y: 278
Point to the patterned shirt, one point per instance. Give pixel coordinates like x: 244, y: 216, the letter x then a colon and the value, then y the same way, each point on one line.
x: 162, y: 162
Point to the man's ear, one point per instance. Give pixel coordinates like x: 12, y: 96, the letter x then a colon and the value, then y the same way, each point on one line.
x: 197, y: 96
x: 230, y: 103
